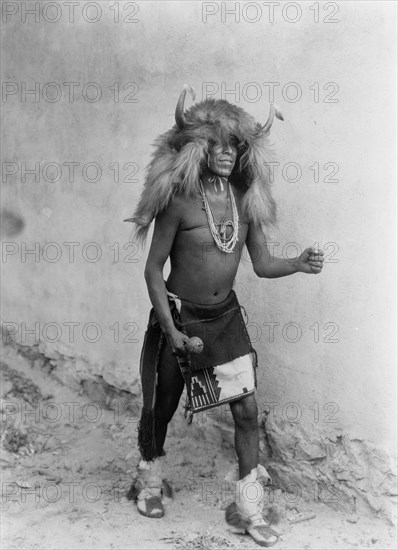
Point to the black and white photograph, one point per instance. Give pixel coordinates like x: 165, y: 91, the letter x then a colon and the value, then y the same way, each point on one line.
x: 198, y: 275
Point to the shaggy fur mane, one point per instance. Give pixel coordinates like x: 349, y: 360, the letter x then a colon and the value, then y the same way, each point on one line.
x: 181, y: 154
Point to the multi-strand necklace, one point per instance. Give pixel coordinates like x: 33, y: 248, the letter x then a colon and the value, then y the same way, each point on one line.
x: 224, y: 243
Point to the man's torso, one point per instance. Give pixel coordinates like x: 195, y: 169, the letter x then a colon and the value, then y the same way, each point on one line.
x: 200, y: 271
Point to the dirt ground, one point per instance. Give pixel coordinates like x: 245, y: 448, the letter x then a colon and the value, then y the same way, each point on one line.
x: 67, y: 465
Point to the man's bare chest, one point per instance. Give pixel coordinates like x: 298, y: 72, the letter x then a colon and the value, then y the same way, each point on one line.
x: 221, y: 213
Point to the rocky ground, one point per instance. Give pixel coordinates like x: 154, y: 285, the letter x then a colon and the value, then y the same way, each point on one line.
x: 68, y: 463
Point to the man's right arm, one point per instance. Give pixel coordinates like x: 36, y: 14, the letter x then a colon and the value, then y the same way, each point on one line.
x: 166, y: 226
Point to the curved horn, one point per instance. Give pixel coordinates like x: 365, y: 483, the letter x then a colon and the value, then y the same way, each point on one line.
x: 179, y: 114
x: 273, y: 112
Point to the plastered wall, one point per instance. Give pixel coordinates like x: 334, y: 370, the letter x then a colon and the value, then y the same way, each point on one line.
x: 106, y: 78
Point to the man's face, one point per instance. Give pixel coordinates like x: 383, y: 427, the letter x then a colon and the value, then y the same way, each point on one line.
x: 222, y: 159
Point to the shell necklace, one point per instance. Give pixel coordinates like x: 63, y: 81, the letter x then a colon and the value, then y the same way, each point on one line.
x: 224, y: 243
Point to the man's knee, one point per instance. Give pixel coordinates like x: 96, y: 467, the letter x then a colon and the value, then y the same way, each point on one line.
x: 245, y: 413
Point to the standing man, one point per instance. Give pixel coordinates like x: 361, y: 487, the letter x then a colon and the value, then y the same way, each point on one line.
x: 207, y: 188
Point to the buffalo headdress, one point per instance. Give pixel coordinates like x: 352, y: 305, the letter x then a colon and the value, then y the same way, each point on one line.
x: 182, y: 152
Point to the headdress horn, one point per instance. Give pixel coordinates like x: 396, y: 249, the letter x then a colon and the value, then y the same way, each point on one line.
x: 179, y: 114
x: 273, y: 112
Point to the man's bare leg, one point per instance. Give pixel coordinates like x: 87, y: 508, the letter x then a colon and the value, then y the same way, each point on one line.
x: 247, y: 513
x: 245, y: 413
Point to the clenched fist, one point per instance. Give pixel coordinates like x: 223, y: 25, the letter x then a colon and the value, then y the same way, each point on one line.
x: 310, y: 261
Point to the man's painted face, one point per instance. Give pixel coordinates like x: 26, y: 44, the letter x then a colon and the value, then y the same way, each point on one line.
x: 222, y: 159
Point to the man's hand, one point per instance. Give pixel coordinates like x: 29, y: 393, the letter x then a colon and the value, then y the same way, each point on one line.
x: 176, y: 341
x: 310, y: 261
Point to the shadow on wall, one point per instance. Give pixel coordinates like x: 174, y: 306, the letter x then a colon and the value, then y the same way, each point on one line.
x: 11, y: 223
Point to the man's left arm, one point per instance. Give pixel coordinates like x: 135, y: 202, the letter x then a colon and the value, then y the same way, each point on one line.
x: 270, y: 267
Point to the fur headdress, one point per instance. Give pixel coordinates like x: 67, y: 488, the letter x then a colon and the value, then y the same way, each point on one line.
x: 182, y: 152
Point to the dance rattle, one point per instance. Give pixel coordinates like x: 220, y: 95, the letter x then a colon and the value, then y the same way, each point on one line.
x: 194, y: 345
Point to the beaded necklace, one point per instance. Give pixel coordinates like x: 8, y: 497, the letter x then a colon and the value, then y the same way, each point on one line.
x: 224, y: 243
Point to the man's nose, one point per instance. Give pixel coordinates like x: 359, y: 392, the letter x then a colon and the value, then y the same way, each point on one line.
x: 227, y: 149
